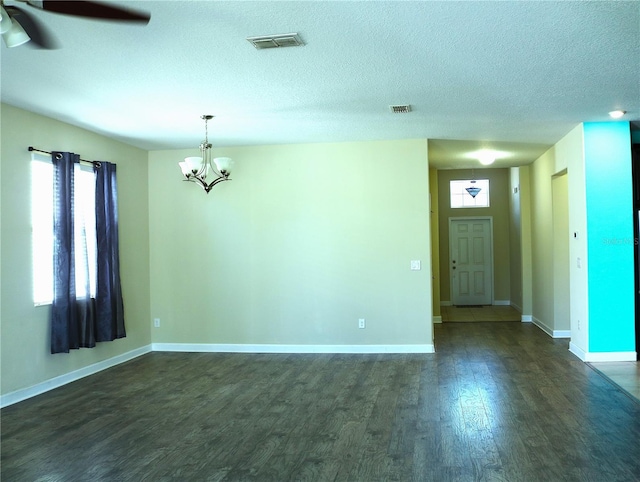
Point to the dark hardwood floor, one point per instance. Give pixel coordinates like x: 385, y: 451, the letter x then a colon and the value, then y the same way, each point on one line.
x: 497, y: 402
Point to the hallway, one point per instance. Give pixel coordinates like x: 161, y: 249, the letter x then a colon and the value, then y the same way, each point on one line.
x: 479, y: 313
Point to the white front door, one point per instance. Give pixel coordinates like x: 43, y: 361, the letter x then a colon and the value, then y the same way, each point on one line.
x: 470, y: 261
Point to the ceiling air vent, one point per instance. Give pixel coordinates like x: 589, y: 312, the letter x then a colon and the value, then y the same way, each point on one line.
x: 275, y: 41
x: 400, y: 109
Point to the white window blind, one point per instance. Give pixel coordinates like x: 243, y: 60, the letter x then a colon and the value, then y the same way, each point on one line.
x: 42, y: 229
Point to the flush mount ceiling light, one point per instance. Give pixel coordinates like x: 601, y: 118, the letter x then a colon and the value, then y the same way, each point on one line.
x: 276, y: 41
x: 486, y: 157
x: 617, y: 114
x: 196, y: 169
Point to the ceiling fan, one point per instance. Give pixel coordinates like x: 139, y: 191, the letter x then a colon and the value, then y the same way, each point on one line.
x: 18, y: 26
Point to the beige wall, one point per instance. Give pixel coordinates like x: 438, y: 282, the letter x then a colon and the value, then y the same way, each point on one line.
x: 550, y: 297
x: 435, y: 241
x: 561, y: 291
x: 520, y: 240
x: 525, y: 237
x: 499, y: 210
x: 515, y: 238
x: 25, y: 352
x: 570, y: 154
x: 302, y: 243
x: 542, y: 231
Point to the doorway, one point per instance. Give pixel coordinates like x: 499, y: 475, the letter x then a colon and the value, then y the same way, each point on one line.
x: 471, y: 261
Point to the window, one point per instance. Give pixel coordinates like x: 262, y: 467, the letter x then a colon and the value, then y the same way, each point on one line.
x: 42, y: 229
x: 462, y: 198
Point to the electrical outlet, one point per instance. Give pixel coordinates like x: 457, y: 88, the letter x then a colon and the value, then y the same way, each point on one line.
x: 361, y: 323
x: 156, y: 322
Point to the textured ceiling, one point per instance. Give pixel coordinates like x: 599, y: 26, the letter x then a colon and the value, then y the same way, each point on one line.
x: 517, y: 73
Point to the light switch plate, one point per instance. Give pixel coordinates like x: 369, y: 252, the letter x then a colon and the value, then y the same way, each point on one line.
x: 415, y: 265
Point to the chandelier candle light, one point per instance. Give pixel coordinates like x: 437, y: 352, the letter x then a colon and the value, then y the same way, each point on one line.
x: 196, y: 169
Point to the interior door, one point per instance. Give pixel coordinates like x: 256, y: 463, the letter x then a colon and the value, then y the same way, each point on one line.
x: 470, y: 261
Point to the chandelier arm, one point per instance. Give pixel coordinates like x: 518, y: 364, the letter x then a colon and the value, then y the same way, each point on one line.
x: 216, y: 171
x: 216, y: 181
x: 198, y: 181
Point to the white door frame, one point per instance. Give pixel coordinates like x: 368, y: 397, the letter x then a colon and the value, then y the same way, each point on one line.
x: 472, y: 218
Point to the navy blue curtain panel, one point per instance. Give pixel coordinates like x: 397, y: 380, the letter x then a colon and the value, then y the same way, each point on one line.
x: 71, y: 319
x: 110, y: 308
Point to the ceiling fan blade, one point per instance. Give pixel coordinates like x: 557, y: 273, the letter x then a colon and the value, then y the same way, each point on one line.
x: 37, y: 32
x: 95, y: 10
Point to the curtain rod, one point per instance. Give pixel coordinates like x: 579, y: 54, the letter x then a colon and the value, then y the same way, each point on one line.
x: 94, y: 163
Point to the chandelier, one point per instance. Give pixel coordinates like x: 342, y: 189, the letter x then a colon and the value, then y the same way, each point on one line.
x: 197, y: 169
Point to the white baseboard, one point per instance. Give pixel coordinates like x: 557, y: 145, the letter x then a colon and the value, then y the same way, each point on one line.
x: 437, y: 319
x: 577, y: 351
x: 609, y: 356
x: 526, y: 318
x: 516, y: 307
x: 542, y: 326
x: 549, y: 331
x: 264, y: 348
x: 495, y: 303
x: 24, y: 393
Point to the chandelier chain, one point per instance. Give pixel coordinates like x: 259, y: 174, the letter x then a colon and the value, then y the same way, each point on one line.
x: 206, y: 128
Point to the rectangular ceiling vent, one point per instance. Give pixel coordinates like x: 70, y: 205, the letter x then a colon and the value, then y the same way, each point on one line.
x: 400, y: 109
x: 275, y: 41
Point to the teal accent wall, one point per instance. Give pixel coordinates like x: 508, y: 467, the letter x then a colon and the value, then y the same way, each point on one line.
x: 610, y: 241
